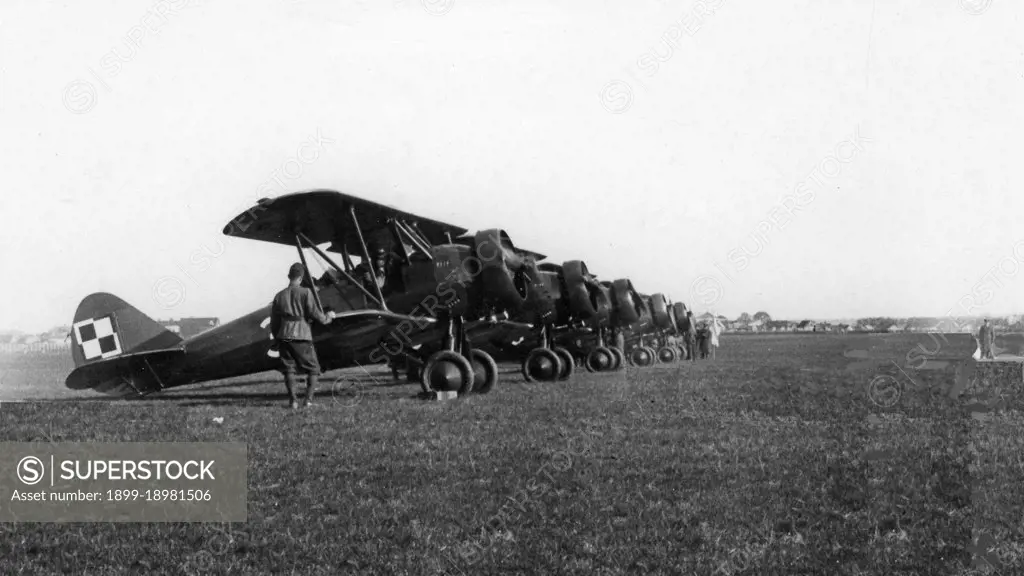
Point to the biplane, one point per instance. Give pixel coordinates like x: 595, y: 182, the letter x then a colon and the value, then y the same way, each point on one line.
x: 580, y: 320
x: 600, y: 341
x: 650, y: 338
x: 567, y: 302
x: 414, y: 287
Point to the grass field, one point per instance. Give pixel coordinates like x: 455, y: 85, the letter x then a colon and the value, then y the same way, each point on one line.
x: 779, y: 457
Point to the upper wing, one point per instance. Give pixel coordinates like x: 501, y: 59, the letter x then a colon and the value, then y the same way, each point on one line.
x: 323, y: 216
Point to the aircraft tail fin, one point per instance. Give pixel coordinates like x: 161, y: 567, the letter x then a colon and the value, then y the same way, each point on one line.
x: 106, y: 327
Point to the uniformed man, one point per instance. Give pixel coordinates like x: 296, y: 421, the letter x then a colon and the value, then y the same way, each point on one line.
x: 374, y: 272
x: 704, y: 340
x: 291, y: 313
x: 986, y: 337
x: 690, y: 336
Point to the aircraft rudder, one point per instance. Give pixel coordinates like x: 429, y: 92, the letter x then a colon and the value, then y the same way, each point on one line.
x: 106, y: 327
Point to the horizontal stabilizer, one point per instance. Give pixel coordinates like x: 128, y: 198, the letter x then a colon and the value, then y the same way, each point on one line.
x: 124, y: 374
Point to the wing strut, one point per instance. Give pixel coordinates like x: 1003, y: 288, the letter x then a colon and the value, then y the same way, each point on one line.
x: 366, y: 251
x: 423, y: 237
x: 354, y: 282
x: 416, y: 241
x: 309, y: 275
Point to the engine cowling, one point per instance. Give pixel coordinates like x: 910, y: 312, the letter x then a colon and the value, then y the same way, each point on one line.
x: 501, y: 271
x: 659, y: 312
x: 679, y: 315
x: 586, y: 299
x: 452, y: 276
x: 674, y: 328
x: 627, y: 306
x: 543, y: 294
x: 602, y: 296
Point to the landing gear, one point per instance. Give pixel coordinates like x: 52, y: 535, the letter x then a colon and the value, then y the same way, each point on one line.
x: 458, y: 367
x: 667, y: 355
x: 546, y: 363
x: 568, y: 363
x: 485, y: 371
x: 447, y: 371
x: 600, y: 359
x: 620, y: 357
x: 542, y: 364
x: 641, y: 356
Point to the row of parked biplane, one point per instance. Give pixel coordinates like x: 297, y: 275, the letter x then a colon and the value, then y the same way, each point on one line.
x: 427, y: 298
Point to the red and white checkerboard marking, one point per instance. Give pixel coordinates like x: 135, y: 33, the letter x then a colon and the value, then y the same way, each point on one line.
x: 97, y: 338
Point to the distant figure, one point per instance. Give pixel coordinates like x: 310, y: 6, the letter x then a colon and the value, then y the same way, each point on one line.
x: 986, y: 337
x: 372, y: 272
x: 690, y: 336
x: 716, y: 329
x: 704, y: 340
x: 290, y: 315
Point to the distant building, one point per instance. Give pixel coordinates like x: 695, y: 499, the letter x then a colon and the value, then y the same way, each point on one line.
x: 781, y: 326
x: 806, y: 326
x: 189, y: 327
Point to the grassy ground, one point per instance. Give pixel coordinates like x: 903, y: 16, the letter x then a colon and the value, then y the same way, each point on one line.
x: 780, y: 457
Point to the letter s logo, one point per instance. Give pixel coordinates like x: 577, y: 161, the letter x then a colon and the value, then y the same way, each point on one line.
x: 30, y: 470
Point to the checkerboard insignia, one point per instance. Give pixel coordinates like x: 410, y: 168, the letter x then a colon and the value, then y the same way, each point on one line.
x: 97, y: 338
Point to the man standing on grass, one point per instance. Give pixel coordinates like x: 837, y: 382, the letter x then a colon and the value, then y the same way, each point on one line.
x: 716, y: 329
x: 291, y: 313
x: 690, y: 336
x: 704, y: 340
x: 985, y: 338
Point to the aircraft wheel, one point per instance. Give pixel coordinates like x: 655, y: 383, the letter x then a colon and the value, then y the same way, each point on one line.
x: 446, y: 371
x: 653, y: 353
x: 542, y: 365
x: 641, y: 356
x: 667, y: 355
x: 485, y: 371
x: 568, y: 363
x: 600, y: 359
x: 620, y: 358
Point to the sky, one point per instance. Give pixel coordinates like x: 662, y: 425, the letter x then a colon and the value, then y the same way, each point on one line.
x: 810, y: 159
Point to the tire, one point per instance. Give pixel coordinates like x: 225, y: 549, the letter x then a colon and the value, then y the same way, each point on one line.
x: 437, y: 361
x: 568, y: 363
x: 667, y: 354
x: 542, y: 365
x: 620, y: 357
x: 485, y: 371
x: 641, y: 356
x: 600, y: 359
